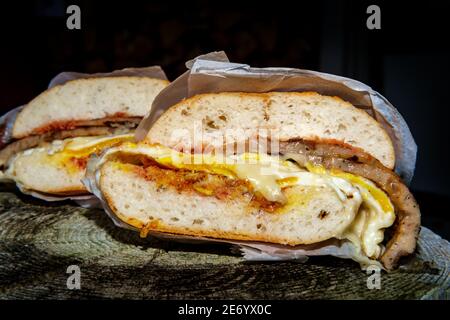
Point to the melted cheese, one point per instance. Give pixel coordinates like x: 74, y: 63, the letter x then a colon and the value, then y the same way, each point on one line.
x: 268, y: 175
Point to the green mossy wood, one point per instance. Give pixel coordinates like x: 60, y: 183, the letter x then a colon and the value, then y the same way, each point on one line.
x: 38, y: 242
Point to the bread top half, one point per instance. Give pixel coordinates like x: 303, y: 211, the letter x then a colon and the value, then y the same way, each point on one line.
x: 89, y: 99
x: 235, y: 117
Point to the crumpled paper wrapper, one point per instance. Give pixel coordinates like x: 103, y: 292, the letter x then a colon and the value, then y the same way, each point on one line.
x: 214, y: 73
x: 7, y: 122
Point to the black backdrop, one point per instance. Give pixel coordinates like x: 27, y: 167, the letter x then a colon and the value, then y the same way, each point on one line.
x: 407, y: 60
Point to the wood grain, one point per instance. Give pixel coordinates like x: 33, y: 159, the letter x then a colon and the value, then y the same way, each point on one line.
x: 39, y: 241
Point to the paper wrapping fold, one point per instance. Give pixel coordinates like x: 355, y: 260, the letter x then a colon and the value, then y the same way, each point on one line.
x: 151, y: 72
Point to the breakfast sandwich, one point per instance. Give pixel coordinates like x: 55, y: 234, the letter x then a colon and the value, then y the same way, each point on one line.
x: 326, y: 174
x: 46, y: 144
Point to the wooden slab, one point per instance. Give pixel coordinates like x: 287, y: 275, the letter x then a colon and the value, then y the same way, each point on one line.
x: 38, y: 242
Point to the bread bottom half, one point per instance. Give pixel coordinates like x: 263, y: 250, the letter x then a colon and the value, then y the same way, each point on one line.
x: 312, y: 214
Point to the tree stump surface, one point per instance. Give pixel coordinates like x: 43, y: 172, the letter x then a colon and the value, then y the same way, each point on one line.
x: 38, y: 242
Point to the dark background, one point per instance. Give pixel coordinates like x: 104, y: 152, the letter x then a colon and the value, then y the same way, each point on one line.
x: 407, y: 60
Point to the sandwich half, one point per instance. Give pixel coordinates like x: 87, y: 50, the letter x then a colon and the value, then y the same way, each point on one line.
x: 51, y: 138
x: 327, y: 174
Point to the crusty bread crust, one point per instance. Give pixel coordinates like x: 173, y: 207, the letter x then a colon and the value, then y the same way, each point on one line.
x: 63, y: 106
x: 240, y: 116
